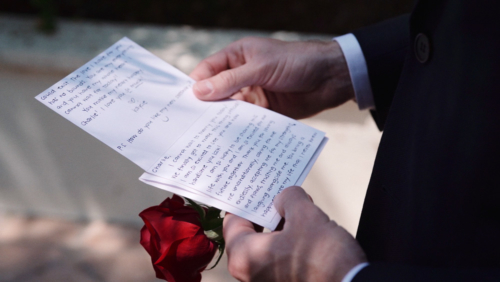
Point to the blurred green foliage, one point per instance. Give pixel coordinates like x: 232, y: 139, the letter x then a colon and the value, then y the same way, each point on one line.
x: 47, y: 15
x: 321, y: 16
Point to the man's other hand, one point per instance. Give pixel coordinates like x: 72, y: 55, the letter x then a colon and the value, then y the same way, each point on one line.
x: 297, y: 79
x: 310, y: 247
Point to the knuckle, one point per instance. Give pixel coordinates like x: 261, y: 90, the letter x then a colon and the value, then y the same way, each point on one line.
x: 232, y: 268
x: 320, y: 214
x: 236, y: 268
x: 227, y: 78
x: 286, y: 194
x: 208, y: 67
x: 291, y: 195
x: 312, y: 214
x: 248, y: 39
x: 334, y: 226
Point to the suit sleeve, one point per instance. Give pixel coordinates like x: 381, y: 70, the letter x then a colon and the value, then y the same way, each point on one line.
x: 381, y: 272
x: 385, y: 46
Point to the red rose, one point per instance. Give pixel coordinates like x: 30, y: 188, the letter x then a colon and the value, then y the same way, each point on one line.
x: 176, y: 242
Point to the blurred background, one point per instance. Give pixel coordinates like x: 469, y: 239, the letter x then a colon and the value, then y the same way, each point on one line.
x: 69, y: 204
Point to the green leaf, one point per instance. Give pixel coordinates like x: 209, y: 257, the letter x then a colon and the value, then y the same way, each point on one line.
x: 215, y: 234
x: 213, y: 224
x: 213, y: 213
x: 197, y: 208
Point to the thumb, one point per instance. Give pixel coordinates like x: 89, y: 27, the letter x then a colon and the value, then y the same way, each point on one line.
x: 295, y: 205
x: 226, y: 83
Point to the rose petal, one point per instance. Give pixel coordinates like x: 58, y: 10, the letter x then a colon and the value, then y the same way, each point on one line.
x: 164, y: 227
x: 175, y: 202
x: 173, y: 237
x: 146, y: 239
x: 186, y: 259
x: 153, y: 253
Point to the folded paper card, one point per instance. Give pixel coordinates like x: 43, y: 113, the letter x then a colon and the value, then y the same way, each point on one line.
x: 228, y: 154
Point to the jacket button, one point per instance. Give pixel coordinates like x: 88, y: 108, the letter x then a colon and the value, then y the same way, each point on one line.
x: 422, y: 48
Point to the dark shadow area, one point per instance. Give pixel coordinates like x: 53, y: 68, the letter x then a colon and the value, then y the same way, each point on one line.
x: 317, y: 16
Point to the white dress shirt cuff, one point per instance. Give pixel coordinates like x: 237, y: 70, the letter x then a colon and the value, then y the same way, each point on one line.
x: 357, y: 69
x: 350, y: 275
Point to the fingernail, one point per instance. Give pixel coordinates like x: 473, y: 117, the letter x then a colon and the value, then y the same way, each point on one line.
x: 203, y: 88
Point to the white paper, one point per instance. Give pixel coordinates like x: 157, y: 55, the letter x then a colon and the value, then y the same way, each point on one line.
x: 129, y: 99
x: 162, y: 183
x: 229, y: 154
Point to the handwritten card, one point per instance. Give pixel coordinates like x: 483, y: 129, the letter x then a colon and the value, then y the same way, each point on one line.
x: 229, y: 154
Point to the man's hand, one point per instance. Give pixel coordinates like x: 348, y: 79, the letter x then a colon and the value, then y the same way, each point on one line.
x: 309, y: 248
x: 297, y: 79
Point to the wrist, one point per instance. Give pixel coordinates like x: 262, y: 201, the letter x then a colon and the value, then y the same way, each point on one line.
x: 358, y: 70
x: 340, y: 88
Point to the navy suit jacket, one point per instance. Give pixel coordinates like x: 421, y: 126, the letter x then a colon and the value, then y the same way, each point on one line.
x: 432, y: 209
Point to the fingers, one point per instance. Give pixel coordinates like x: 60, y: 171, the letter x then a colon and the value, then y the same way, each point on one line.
x: 213, y: 65
x: 224, y: 73
x: 237, y: 235
x: 253, y: 95
x: 225, y: 83
x: 295, y: 205
x: 235, y: 227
